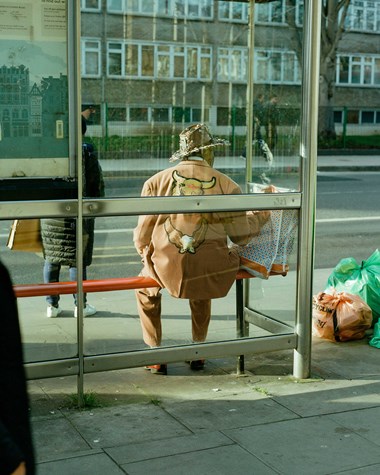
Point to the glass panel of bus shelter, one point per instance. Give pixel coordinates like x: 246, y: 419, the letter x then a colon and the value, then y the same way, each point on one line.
x: 202, y: 245
x: 151, y: 69
x: 34, y: 103
x: 47, y: 323
x: 34, y: 155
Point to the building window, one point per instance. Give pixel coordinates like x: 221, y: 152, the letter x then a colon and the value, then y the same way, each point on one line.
x: 277, y: 67
x: 164, y: 61
x: 90, y: 58
x: 233, y: 12
x: 222, y: 116
x: 181, y: 114
x: 300, y: 12
x: 361, y: 70
x: 90, y: 5
x: 116, y: 114
x: 160, y: 114
x: 370, y: 116
x: 165, y: 114
x: 367, y: 117
x: 273, y: 12
x: 200, y: 115
x: 232, y: 64
x: 338, y: 117
x: 140, y: 7
x: 193, y: 9
x: 115, y: 59
x: 352, y: 117
x: 138, y: 114
x: 363, y: 15
x: 189, y: 9
x: 270, y: 66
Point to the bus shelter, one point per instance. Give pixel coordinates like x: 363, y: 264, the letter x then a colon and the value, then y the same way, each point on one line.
x: 145, y: 71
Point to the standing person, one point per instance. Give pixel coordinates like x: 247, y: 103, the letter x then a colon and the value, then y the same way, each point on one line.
x: 188, y: 254
x: 258, y: 116
x: 16, y: 447
x: 272, y: 121
x: 259, y: 112
x: 59, y: 235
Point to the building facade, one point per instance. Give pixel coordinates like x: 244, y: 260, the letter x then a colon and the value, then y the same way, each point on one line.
x: 166, y: 63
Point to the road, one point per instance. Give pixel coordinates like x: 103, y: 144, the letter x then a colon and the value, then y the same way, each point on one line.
x: 347, y: 225
x: 348, y: 217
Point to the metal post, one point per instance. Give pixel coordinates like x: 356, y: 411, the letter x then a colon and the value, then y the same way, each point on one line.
x: 308, y: 152
x: 251, y: 44
x: 240, y: 321
x: 73, y: 35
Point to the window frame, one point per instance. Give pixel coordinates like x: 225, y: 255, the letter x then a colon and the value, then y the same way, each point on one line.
x: 85, y: 51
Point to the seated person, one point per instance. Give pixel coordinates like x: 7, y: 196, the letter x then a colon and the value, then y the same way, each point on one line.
x: 188, y: 254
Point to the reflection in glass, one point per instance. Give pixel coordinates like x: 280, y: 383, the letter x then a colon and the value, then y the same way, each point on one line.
x: 181, y: 62
x: 34, y: 125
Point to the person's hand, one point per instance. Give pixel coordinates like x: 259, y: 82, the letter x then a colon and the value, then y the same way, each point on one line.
x: 20, y: 470
x: 270, y: 189
x: 263, y: 215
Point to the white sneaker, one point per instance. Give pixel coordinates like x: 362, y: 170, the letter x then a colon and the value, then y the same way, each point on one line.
x: 53, y: 312
x: 87, y: 311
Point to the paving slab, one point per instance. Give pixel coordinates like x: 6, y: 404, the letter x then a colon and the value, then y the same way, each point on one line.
x: 350, y: 359
x: 316, y: 446
x: 56, y: 437
x: 215, y: 461
x: 314, y: 397
x: 112, y: 426
x: 365, y: 422
x: 95, y: 464
x: 137, y: 452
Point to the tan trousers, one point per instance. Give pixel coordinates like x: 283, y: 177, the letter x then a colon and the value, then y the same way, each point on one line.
x: 149, y: 308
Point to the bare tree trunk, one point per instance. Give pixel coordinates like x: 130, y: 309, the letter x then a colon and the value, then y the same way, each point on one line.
x: 334, y: 14
x: 326, y: 124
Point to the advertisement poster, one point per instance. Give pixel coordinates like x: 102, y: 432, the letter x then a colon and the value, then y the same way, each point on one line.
x: 33, y: 89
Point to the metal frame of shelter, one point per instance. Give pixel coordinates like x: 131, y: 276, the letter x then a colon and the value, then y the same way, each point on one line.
x: 300, y: 339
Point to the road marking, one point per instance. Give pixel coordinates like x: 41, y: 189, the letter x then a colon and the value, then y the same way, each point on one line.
x: 113, y: 231
x: 321, y: 220
x: 346, y: 220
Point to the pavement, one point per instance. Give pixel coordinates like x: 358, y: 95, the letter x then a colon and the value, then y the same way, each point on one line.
x: 212, y: 421
x: 325, y: 163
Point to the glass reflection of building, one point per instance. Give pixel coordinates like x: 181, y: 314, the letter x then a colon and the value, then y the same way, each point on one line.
x: 137, y: 54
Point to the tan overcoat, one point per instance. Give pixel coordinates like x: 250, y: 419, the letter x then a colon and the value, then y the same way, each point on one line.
x: 188, y: 254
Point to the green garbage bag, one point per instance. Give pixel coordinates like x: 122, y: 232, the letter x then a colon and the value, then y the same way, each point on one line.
x: 375, y: 340
x: 363, y: 280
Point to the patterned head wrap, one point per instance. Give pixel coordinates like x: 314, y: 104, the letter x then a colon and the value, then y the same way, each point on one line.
x: 195, y: 138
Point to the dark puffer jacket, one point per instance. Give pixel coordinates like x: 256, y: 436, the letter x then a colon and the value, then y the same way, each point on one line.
x: 59, y: 240
x: 59, y: 235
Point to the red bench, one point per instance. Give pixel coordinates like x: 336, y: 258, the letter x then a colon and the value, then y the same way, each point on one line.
x: 131, y: 283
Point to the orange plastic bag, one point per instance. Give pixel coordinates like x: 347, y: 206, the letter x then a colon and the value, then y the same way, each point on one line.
x: 339, y: 316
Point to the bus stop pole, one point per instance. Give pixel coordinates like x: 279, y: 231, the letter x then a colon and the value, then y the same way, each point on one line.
x: 308, y: 153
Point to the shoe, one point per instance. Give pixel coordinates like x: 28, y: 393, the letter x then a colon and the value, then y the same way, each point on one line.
x: 158, y: 368
x: 266, y: 151
x: 265, y: 180
x: 52, y: 311
x: 197, y: 365
x: 87, y: 311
